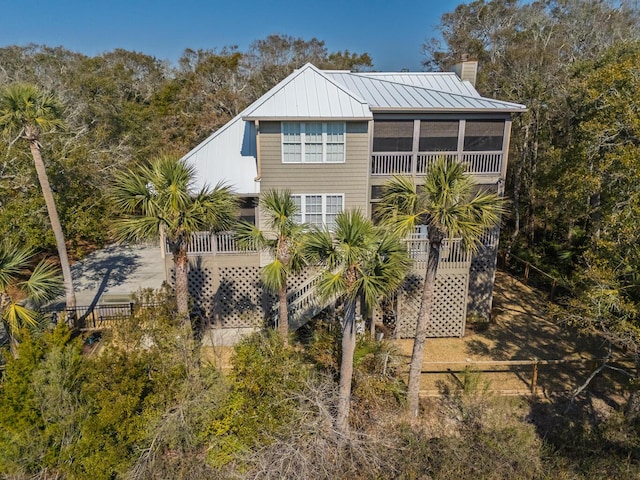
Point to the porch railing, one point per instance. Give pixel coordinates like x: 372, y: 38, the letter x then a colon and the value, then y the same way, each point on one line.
x: 222, y: 243
x: 394, y: 163
x: 452, y: 255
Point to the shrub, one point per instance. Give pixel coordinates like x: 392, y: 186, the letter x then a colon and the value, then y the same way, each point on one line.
x: 264, y: 381
x: 40, y: 407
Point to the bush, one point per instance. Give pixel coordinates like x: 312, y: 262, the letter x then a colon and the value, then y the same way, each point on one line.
x: 40, y: 407
x: 265, y: 379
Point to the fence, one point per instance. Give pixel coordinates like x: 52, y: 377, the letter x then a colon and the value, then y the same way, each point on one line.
x: 95, y: 317
x: 530, y: 274
x: 529, y: 370
x: 217, y: 244
x: 401, y: 163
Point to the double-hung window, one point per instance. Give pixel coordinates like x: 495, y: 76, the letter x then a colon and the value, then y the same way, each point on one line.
x: 313, y: 142
x: 318, y: 209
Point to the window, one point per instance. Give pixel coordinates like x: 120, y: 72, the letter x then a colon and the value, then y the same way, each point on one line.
x: 313, y: 142
x: 483, y: 135
x: 392, y: 136
x: 438, y: 136
x: 318, y: 210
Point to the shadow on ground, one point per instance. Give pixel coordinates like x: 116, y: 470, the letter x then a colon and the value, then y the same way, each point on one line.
x: 520, y: 329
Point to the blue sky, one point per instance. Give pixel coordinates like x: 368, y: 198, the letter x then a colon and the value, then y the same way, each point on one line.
x: 391, y: 31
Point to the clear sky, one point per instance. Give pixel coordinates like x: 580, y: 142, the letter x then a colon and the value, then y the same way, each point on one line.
x: 391, y: 31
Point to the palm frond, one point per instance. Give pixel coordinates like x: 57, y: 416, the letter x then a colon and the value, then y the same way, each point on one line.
x: 18, y: 316
x: 274, y: 275
x: 319, y: 247
x: 44, y: 283
x: 250, y: 236
x: 24, y: 105
x: 279, y: 210
x: 13, y: 262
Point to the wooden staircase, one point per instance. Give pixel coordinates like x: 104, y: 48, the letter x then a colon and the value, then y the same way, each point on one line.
x: 304, y: 303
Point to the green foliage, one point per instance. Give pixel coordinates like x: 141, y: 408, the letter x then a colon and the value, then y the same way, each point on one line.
x: 23, y: 291
x: 265, y: 378
x: 448, y: 203
x: 40, y: 408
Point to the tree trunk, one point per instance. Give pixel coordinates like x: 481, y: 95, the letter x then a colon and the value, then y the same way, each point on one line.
x: 346, y: 366
x: 181, y: 264
x: 517, y: 182
x: 424, y: 318
x: 70, y: 295
x: 283, y: 315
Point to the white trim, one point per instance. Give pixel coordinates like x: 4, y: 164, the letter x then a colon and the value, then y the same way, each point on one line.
x: 302, y: 126
x: 323, y: 196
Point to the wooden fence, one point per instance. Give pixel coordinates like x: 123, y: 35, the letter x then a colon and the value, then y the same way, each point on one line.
x: 530, y: 274
x: 530, y: 367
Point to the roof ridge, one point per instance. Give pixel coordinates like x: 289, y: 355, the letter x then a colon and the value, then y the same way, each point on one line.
x: 336, y: 84
x: 396, y: 73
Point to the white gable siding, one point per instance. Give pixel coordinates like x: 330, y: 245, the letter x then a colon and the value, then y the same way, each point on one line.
x: 229, y: 156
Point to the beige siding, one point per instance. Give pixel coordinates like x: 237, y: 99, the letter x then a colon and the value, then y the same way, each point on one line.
x: 350, y: 178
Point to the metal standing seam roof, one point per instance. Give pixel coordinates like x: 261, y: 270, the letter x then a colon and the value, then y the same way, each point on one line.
x: 383, y: 94
x: 308, y: 93
x: 441, y: 81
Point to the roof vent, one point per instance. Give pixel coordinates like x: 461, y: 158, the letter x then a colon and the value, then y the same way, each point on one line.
x: 467, y: 69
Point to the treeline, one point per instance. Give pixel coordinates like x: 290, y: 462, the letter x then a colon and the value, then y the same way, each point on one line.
x: 122, y: 108
x: 574, y: 166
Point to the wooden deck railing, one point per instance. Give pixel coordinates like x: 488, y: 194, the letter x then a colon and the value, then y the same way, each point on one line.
x: 94, y: 317
x: 222, y: 243
x: 452, y: 255
x: 398, y: 163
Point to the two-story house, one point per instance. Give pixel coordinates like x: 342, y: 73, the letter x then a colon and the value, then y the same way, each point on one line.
x: 333, y: 138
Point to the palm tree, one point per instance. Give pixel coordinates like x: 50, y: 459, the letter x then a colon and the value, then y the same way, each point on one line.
x: 361, y: 261
x: 451, y: 207
x: 158, y: 201
x: 283, y: 239
x: 25, y: 113
x: 22, y: 290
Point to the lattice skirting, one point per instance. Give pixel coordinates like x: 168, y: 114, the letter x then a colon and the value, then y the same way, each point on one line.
x: 449, y: 308
x: 232, y: 297
x: 481, y: 278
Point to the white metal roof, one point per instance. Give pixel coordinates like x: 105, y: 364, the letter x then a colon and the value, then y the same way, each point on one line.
x: 229, y: 156
x: 441, y: 81
x: 383, y: 93
x: 308, y: 93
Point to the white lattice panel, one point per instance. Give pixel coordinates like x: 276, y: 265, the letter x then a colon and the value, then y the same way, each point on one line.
x: 449, y: 308
x: 481, y: 277
x: 233, y: 296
